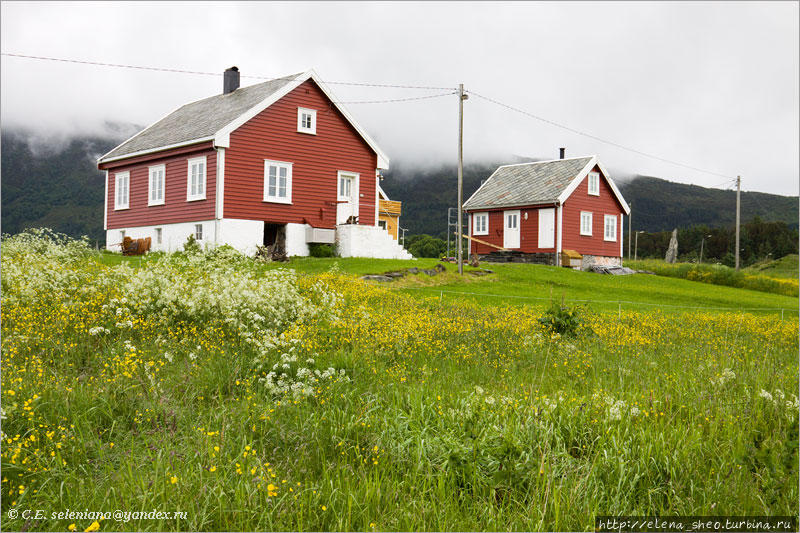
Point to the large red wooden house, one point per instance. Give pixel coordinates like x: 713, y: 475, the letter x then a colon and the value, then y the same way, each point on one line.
x: 540, y: 209
x: 280, y: 162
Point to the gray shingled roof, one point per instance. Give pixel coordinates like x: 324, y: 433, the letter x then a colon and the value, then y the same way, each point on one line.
x: 199, y: 119
x: 527, y: 184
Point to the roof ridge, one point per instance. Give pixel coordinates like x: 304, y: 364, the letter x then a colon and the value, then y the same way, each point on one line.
x: 547, y: 161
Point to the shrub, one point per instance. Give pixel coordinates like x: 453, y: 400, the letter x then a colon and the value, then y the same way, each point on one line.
x: 191, y: 245
x: 564, y: 319
x: 321, y: 250
x: 426, y: 246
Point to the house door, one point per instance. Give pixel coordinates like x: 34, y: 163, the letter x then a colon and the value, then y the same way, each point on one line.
x: 347, y: 197
x: 511, y: 229
x: 547, y: 228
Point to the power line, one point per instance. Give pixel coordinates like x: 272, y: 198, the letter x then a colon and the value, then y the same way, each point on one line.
x: 201, y: 73
x: 399, y: 99
x: 589, y: 135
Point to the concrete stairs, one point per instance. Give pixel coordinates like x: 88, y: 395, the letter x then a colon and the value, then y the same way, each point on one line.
x: 354, y: 240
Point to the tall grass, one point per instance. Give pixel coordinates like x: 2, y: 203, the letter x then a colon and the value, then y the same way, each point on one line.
x: 718, y: 275
x: 369, y: 409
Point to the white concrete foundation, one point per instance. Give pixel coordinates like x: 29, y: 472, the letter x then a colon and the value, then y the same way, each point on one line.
x: 353, y: 240
x: 296, y: 240
x: 173, y: 236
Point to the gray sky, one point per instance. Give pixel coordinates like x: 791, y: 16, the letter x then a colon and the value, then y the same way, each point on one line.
x: 713, y: 85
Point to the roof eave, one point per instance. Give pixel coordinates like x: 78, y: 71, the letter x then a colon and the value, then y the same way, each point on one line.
x: 104, y: 159
x: 515, y: 204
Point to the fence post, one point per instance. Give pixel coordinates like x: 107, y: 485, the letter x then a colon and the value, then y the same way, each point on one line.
x: 619, y: 315
x: 781, y: 313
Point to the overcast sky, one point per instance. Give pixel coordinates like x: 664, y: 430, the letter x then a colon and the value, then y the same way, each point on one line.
x: 712, y: 85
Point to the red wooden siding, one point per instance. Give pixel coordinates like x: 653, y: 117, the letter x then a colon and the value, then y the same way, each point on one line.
x: 175, y: 207
x: 272, y: 134
x: 529, y: 230
x: 599, y: 206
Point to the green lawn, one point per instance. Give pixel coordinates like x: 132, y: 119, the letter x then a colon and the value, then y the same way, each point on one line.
x: 537, y: 284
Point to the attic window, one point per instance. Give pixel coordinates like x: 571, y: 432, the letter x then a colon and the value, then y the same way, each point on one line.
x: 594, y: 183
x: 306, y: 120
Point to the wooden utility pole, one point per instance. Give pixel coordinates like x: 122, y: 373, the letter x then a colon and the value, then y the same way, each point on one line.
x: 738, y: 207
x: 459, y: 240
x: 630, y: 226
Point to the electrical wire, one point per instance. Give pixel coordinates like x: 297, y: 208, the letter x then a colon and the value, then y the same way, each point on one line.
x: 400, y: 99
x: 201, y: 73
x: 596, y: 138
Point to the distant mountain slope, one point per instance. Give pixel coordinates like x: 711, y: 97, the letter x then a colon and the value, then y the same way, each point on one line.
x: 59, y: 186
x: 660, y: 205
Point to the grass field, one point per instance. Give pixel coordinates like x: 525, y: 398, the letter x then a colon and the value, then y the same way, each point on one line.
x: 253, y: 397
x: 536, y: 285
x: 723, y: 275
x: 785, y: 267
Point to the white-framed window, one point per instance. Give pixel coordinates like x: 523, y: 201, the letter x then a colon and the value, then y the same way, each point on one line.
x: 277, y: 181
x: 156, y: 191
x: 480, y: 224
x: 198, y: 232
x: 122, y: 190
x: 382, y: 224
x: 307, y: 120
x: 121, y: 235
x: 158, y: 235
x: 586, y: 223
x: 610, y: 233
x: 196, y: 179
x: 345, y: 193
x: 594, y: 183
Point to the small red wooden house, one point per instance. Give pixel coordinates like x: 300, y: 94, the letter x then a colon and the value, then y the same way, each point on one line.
x: 279, y: 162
x: 543, y: 208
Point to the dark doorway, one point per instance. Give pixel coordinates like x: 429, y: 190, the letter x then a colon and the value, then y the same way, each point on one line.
x: 270, y: 233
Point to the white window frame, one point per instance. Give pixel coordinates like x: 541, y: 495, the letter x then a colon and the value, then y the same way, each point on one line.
x: 278, y: 165
x: 594, y: 183
x: 119, y: 177
x: 150, y: 190
x: 159, y: 235
x: 198, y: 232
x: 586, y: 215
x: 301, y: 128
x: 383, y: 225
x: 613, y: 219
x: 478, y: 228
x: 198, y: 196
